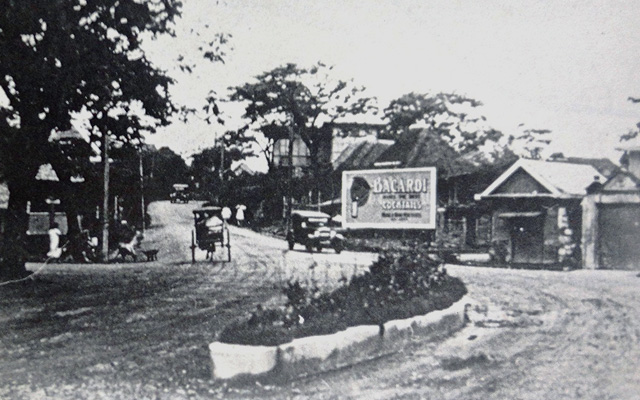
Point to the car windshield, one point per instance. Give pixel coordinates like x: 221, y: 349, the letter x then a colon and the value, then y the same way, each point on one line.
x: 314, y: 223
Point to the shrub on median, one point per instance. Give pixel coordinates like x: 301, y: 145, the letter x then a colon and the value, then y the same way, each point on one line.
x: 398, y: 285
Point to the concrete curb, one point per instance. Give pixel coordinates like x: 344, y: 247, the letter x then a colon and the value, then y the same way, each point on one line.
x: 313, y: 354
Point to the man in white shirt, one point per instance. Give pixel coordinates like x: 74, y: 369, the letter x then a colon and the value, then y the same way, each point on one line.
x: 55, y: 251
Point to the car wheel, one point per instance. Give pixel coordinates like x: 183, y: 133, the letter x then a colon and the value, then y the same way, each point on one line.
x: 338, y: 247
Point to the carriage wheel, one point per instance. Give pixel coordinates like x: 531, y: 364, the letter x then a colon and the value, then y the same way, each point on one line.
x: 193, y: 247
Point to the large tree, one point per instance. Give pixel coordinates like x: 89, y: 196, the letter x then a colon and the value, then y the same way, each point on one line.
x: 530, y: 143
x: 632, y: 133
x: 291, y: 101
x: 59, y: 57
x: 454, y: 118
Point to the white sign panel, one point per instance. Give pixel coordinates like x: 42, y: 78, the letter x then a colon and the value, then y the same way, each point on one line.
x: 389, y: 198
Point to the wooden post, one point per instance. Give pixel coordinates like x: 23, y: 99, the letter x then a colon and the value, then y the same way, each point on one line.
x: 142, y: 210
x: 290, y: 178
x: 105, y: 199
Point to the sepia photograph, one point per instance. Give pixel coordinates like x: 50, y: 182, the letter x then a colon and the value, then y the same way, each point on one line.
x: 302, y: 199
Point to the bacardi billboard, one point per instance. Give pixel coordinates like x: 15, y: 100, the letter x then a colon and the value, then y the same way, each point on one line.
x: 389, y: 198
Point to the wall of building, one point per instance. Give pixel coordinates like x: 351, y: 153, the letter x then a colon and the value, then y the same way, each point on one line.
x: 591, y: 237
x: 561, y: 225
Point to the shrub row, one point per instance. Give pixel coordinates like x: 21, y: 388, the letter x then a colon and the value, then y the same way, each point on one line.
x: 397, y: 286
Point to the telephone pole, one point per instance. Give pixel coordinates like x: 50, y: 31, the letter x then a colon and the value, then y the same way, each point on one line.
x: 105, y: 198
x: 142, y: 210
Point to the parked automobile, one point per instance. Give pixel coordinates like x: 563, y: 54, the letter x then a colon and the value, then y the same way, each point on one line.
x: 180, y: 193
x: 312, y: 230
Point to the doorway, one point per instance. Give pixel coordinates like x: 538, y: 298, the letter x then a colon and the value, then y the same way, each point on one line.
x: 527, y: 240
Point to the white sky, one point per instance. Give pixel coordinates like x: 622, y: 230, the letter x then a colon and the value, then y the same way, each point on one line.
x: 568, y: 66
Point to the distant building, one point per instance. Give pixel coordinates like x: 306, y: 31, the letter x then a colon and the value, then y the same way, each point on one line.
x: 340, y: 136
x: 536, y: 211
x: 462, y: 223
x: 241, y: 168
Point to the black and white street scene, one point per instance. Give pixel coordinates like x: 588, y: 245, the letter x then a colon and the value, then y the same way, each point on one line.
x: 297, y: 199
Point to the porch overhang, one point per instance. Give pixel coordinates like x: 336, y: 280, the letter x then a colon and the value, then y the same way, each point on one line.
x: 520, y: 214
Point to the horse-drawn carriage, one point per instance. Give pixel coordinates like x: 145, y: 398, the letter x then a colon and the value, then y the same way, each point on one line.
x: 210, y: 231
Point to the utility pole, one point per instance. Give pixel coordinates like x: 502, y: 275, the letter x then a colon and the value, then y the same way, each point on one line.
x: 290, y: 177
x: 221, y: 158
x: 105, y: 198
x: 142, y: 210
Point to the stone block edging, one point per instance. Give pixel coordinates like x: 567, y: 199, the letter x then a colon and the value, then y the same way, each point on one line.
x: 313, y: 354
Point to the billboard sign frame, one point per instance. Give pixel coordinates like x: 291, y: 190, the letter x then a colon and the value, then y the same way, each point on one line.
x: 394, y: 198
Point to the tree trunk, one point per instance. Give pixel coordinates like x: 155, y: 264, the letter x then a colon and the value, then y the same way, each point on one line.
x: 69, y: 200
x: 14, y: 247
x: 70, y: 207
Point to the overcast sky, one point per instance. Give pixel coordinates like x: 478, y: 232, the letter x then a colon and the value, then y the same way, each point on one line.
x: 568, y: 66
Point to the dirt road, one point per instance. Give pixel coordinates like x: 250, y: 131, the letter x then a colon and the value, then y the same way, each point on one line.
x: 140, y: 330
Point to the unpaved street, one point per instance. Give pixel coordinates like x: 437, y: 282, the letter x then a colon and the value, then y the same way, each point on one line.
x: 140, y: 330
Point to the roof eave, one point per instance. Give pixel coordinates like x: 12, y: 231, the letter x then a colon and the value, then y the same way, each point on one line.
x: 564, y: 196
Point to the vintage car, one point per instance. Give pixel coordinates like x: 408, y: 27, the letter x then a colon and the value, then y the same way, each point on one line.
x: 180, y: 193
x: 312, y: 230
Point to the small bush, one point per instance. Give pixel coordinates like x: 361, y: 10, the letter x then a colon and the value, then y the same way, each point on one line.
x: 398, y: 285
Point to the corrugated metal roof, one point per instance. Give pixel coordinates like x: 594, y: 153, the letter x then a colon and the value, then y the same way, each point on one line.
x: 361, y: 154
x: 605, y: 166
x: 562, y: 179
x: 421, y: 148
x: 565, y: 177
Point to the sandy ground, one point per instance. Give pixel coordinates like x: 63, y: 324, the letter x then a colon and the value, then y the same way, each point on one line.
x: 140, y: 330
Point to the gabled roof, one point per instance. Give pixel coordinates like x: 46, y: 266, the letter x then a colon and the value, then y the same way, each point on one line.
x: 420, y: 148
x: 623, y: 181
x: 361, y: 154
x: 241, y: 168
x: 47, y: 173
x: 605, y: 166
x: 558, y: 179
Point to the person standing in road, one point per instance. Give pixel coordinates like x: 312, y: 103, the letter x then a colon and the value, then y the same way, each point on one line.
x: 55, y: 251
x: 240, y: 214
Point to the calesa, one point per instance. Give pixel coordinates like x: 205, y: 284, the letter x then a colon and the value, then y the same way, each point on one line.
x: 400, y: 185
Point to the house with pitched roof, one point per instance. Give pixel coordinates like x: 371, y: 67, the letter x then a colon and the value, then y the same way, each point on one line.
x: 611, y: 218
x: 536, y: 211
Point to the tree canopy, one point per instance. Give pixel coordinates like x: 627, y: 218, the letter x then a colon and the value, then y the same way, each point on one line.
x: 301, y: 101
x: 632, y: 133
x: 530, y: 143
x: 61, y: 57
x: 455, y: 118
